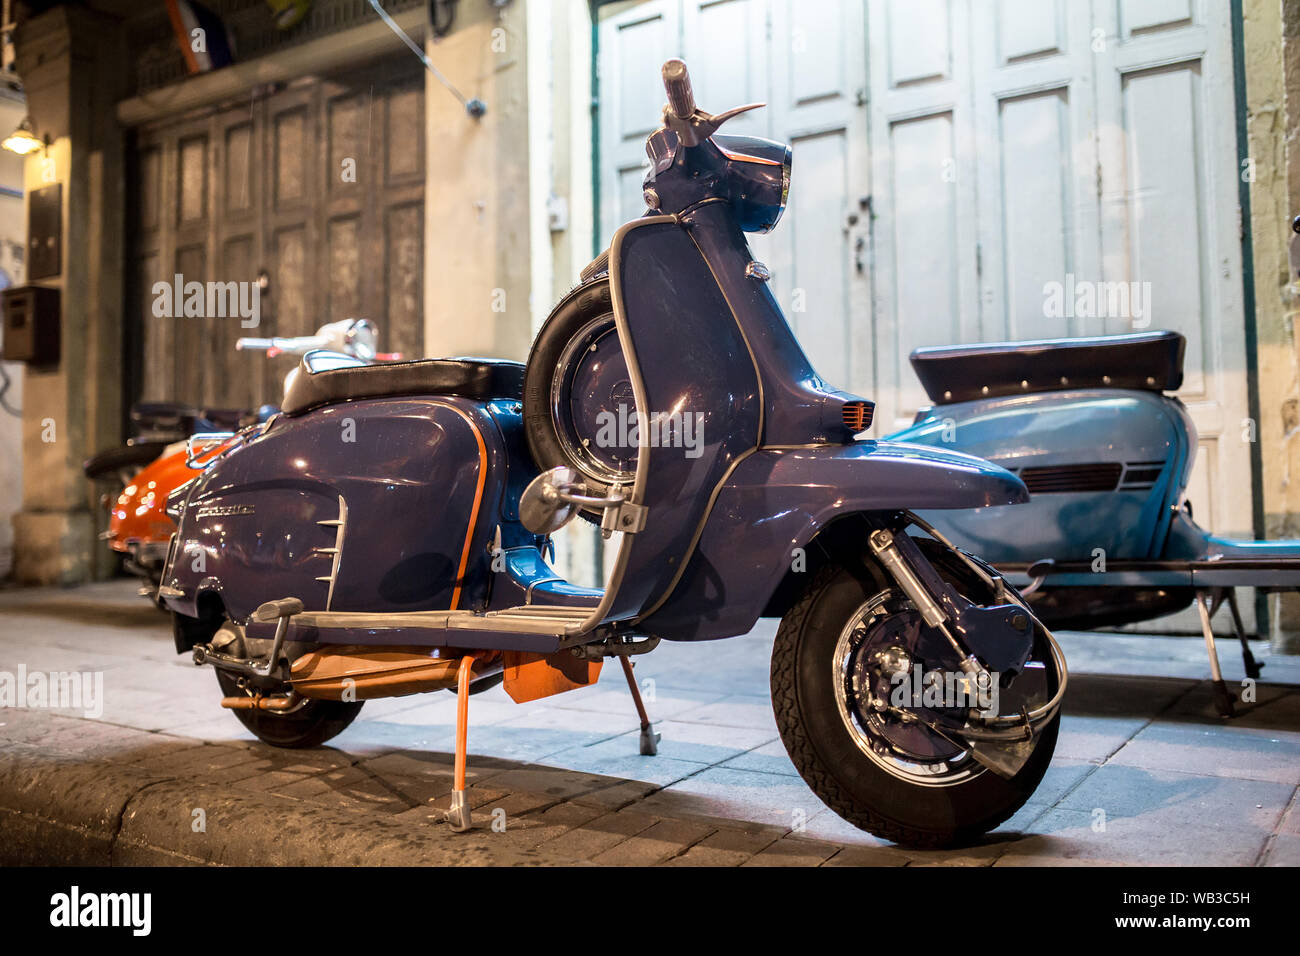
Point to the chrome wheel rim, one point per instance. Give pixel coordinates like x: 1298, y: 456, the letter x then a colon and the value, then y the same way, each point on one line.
x: 578, y: 450
x: 938, y: 772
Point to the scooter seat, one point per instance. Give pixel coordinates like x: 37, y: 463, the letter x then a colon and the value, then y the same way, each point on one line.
x: 1149, y: 361
x: 480, y: 379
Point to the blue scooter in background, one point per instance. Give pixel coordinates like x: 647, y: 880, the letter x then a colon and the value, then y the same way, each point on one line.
x: 385, y: 535
x: 1091, y: 427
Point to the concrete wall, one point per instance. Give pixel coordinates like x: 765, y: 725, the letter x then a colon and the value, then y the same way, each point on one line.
x: 477, y: 267
x: 70, y: 61
x: 13, y: 242
x: 1272, y: 57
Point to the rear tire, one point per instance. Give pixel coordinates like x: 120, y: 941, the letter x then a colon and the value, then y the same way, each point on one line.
x: 830, y: 760
x: 589, y: 303
x: 310, y: 725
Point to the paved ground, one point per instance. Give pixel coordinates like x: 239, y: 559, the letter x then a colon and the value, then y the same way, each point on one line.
x: 1144, y: 771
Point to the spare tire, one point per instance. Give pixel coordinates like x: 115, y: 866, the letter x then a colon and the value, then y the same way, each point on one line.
x: 578, y: 401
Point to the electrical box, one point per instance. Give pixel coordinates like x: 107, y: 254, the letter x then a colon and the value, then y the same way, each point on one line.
x: 45, y: 232
x: 31, y: 325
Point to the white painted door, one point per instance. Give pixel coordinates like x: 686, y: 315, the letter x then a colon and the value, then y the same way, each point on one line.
x: 1170, y: 217
x: 952, y: 158
x: 925, y: 230
x: 632, y: 47
x: 1017, y: 143
x: 806, y: 60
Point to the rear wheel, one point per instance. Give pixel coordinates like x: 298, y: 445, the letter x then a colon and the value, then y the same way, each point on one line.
x: 576, y: 385
x: 309, y: 724
x: 898, y: 781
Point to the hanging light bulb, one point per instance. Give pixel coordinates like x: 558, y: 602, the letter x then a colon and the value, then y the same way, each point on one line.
x: 23, y: 140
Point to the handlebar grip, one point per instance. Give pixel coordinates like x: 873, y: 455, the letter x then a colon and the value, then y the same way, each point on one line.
x: 677, y: 83
x: 248, y: 343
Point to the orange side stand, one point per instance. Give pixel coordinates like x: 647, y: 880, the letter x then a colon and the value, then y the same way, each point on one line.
x: 458, y: 815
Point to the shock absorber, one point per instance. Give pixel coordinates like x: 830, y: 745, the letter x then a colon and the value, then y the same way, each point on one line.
x: 884, y: 547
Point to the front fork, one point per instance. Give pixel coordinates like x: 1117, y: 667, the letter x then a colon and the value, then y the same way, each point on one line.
x: 998, y: 637
x: 889, y: 549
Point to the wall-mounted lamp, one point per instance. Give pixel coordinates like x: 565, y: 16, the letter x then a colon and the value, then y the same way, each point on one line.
x: 23, y: 140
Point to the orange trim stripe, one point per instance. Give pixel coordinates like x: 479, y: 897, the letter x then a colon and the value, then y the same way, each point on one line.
x: 473, y: 514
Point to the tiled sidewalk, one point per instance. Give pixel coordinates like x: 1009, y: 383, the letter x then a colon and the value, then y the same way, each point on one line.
x: 1144, y: 771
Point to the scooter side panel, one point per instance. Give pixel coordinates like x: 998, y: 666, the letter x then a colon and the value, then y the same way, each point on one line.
x: 1138, y: 431
x: 692, y: 369
x: 407, y: 478
x: 777, y: 500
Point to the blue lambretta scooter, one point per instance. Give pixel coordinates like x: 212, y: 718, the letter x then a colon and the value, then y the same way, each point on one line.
x: 1091, y: 427
x: 385, y: 535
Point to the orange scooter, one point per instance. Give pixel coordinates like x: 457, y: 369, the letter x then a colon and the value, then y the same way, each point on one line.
x: 177, y: 441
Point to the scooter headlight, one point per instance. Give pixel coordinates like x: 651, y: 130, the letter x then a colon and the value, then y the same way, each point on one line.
x: 759, y: 173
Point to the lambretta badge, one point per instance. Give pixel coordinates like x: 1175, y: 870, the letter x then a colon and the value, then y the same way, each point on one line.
x: 222, y: 511
x: 73, y: 909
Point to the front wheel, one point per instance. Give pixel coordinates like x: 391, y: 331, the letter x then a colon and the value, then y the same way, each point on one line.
x: 897, y: 781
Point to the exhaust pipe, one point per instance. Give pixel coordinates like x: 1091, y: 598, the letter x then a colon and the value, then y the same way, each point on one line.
x: 360, y: 672
x: 278, y: 704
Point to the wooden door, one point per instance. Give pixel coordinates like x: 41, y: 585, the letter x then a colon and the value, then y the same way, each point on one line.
x: 319, y: 188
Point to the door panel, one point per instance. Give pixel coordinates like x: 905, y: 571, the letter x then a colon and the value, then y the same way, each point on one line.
x: 320, y: 185
x: 1170, y: 218
x: 1035, y: 125
x: 633, y: 45
x: 805, y: 60
x: 818, y: 253
x: 923, y: 175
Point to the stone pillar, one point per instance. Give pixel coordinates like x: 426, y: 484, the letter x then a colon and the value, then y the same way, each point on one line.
x: 477, y: 261
x: 73, y: 65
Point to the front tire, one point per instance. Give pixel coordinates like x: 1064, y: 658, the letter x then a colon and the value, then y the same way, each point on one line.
x: 828, y: 753
x: 309, y: 725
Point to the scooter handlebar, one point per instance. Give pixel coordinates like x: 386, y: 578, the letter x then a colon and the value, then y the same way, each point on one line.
x: 296, y: 346
x: 677, y: 84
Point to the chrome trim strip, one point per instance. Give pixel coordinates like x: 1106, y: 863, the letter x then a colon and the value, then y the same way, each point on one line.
x: 340, y: 525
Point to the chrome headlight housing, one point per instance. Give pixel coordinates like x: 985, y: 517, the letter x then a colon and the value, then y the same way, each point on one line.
x: 759, y: 176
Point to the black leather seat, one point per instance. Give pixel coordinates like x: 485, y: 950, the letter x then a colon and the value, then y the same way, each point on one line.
x: 181, y: 420
x: 1150, y: 361
x: 476, y: 378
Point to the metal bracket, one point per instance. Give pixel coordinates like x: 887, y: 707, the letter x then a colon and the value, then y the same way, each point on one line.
x: 625, y: 516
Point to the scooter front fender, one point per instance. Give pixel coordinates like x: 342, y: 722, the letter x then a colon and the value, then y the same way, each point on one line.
x: 888, y: 476
x: 776, y: 500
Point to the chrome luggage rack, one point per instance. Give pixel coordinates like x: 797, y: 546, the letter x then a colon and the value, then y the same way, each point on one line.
x: 208, y: 440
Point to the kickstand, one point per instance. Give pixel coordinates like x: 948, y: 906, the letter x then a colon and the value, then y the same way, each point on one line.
x: 649, y: 739
x: 1222, y: 699
x: 458, y: 814
x: 1253, y: 666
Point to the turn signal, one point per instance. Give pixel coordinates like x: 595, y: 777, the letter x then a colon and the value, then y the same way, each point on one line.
x: 857, y: 416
